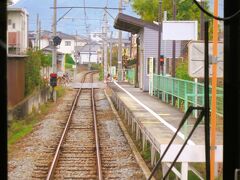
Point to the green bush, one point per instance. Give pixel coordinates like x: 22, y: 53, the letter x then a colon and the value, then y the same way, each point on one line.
x: 35, y: 61
x: 68, y: 66
x: 32, y: 71
x: 182, y: 71
x: 46, y: 60
x: 69, y: 59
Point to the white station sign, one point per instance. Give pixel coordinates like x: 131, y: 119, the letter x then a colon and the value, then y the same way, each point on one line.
x: 180, y: 30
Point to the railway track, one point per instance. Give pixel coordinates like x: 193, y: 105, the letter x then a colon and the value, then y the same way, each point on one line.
x: 92, y: 145
x: 77, y: 155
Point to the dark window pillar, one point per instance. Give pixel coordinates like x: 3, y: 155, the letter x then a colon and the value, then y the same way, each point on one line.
x: 231, y: 157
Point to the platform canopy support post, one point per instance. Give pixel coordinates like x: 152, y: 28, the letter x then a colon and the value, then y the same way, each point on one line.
x: 184, y: 171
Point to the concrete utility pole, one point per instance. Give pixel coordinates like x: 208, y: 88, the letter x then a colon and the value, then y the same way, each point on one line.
x: 39, y: 35
x: 174, y: 44
x: 54, y: 51
x: 110, y: 55
x: 159, y: 34
x: 54, y: 29
x: 105, y: 44
x: 89, y: 55
x: 120, y: 75
x: 164, y: 47
x: 37, y: 30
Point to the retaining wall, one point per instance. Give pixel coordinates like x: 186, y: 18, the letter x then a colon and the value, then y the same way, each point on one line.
x: 27, y: 105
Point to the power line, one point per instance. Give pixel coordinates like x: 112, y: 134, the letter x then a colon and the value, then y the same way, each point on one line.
x: 89, y: 7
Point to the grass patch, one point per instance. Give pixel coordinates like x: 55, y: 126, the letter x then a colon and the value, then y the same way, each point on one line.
x: 60, y: 91
x: 20, y: 128
x: 68, y: 66
x: 99, y: 68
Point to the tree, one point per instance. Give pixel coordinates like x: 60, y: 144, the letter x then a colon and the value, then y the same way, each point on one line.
x: 69, y: 59
x: 32, y: 71
x: 114, y: 56
x: 148, y: 9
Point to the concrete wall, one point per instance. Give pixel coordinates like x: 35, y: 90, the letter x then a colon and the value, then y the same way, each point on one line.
x: 26, y: 106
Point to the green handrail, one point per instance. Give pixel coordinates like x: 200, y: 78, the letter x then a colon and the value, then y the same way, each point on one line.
x: 187, y: 91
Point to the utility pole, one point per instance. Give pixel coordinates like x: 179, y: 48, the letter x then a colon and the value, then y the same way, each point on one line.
x: 159, y: 34
x: 137, y: 63
x: 89, y: 55
x: 164, y: 47
x: 54, y: 29
x: 37, y: 30
x: 54, y: 51
x: 39, y: 35
x: 174, y: 44
x: 111, y: 55
x: 120, y: 72
x: 105, y: 44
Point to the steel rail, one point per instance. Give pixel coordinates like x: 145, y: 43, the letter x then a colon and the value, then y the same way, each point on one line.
x: 56, y: 156
x: 99, y: 164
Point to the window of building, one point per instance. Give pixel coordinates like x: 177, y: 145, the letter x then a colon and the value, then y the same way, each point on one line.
x: 13, y: 25
x: 67, y: 43
x: 9, y: 21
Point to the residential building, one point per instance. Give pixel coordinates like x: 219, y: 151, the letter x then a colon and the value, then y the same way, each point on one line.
x: 68, y: 44
x: 17, y: 30
x: 89, y: 53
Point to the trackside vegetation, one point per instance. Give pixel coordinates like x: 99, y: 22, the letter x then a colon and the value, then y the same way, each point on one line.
x: 20, y: 128
x: 36, y: 60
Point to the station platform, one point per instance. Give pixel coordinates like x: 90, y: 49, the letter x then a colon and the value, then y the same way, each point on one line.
x: 157, y: 122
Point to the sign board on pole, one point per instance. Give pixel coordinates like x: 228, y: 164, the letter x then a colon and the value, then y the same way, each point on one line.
x: 180, y: 30
x: 151, y: 68
x: 196, y: 59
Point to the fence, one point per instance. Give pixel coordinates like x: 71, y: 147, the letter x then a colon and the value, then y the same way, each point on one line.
x: 185, y: 92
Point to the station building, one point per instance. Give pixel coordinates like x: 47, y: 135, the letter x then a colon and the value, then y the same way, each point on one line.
x: 147, y: 35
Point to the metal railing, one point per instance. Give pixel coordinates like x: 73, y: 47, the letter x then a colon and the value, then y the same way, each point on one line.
x: 191, y: 93
x: 204, y: 112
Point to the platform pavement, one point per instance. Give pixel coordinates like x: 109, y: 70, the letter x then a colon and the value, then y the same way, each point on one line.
x: 170, y: 115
